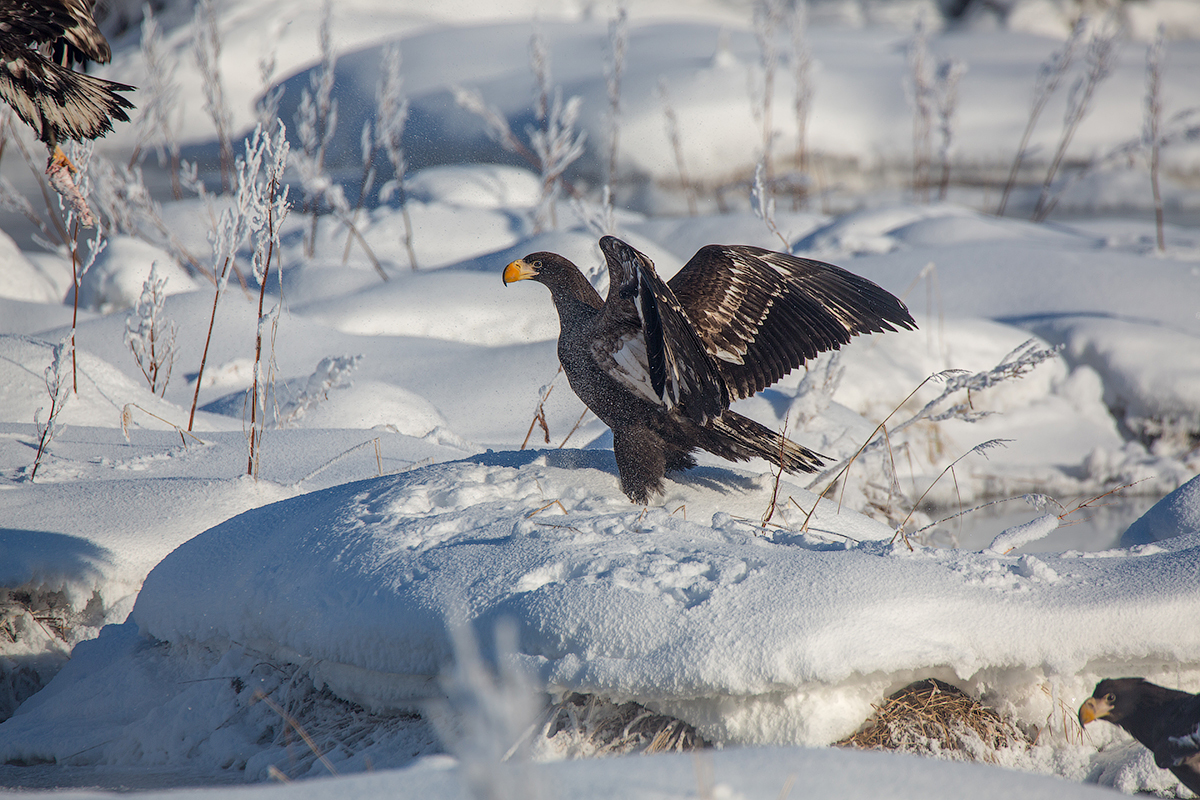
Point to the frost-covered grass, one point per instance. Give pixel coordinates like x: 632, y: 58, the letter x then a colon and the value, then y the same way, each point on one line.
x: 360, y: 359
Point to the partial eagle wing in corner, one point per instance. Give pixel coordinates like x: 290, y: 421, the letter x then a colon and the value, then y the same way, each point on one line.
x: 761, y: 314
x: 650, y: 341
x: 51, y: 98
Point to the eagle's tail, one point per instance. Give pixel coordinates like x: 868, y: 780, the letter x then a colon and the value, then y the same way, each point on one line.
x: 738, y: 438
x: 60, y: 103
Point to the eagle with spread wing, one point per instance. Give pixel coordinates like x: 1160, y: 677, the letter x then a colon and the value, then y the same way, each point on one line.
x: 660, y: 362
x: 1166, y: 721
x: 39, y: 41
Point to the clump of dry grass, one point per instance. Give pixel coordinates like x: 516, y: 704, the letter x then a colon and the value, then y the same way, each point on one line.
x: 586, y: 725
x: 931, y: 717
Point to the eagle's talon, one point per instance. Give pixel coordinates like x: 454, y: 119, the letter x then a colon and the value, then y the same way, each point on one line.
x: 58, y: 161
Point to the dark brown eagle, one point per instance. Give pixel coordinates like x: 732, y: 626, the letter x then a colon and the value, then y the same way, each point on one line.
x: 1167, y: 721
x: 660, y: 362
x: 39, y: 41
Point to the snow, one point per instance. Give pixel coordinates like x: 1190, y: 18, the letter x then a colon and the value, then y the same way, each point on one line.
x: 407, y: 506
x: 1177, y: 512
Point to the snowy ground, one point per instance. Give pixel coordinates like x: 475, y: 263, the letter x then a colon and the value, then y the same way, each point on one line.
x: 395, y: 523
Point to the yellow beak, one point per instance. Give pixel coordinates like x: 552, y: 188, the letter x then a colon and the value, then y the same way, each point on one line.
x: 1092, y: 709
x: 518, y: 271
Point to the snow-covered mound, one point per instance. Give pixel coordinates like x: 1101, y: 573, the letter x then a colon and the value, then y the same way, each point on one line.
x: 698, y: 612
x: 761, y: 774
x: 1178, y: 512
x: 756, y: 636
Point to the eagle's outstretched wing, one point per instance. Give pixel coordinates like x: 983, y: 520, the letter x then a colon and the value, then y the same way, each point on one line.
x: 761, y: 314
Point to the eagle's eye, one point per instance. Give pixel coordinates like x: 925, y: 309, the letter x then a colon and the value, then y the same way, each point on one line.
x: 537, y: 265
x: 1110, y: 698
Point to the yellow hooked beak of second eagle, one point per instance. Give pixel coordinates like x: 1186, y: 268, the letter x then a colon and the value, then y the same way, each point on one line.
x: 1094, y: 708
x: 518, y: 271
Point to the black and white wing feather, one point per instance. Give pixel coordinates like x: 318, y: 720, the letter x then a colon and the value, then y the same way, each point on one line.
x: 649, y: 345
x: 54, y: 100
x: 761, y: 314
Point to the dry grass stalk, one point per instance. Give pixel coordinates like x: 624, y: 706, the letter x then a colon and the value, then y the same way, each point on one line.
x: 539, y: 413
x: 770, y: 512
x: 921, y: 92
x: 801, y: 61
x: 293, y: 725
x: 931, y: 717
x: 593, y: 726
x: 574, y: 428
x: 127, y: 423
x: 672, y: 122
x: 1050, y: 75
x: 980, y: 448
x: 767, y: 17
x: 1100, y: 57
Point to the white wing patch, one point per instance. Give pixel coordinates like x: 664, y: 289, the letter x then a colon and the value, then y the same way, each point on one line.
x: 630, y: 366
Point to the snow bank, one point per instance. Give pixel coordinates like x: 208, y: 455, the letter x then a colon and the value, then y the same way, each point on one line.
x: 1178, y: 512
x: 114, y: 282
x: 761, y: 774
x: 746, y: 635
x: 20, y: 278
x: 103, y: 389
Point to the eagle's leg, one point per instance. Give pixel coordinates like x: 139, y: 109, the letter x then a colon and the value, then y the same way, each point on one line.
x: 641, y: 462
x: 58, y: 161
x: 60, y: 173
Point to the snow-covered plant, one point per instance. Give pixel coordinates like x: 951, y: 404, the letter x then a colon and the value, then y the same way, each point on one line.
x: 489, y: 716
x: 59, y: 389
x: 266, y: 108
x: 589, y: 726
x: 768, y: 14
x: 316, y: 123
x: 800, y: 58
x: 1049, y: 76
x: 1183, y: 126
x: 494, y: 123
x: 763, y: 204
x: 265, y: 240
x: 123, y: 201
x: 600, y: 219
x: 11, y: 199
x: 158, y: 123
x: 555, y: 143
x: 366, y: 143
x: 816, y: 389
x: 332, y: 373
x: 52, y: 233
x: 953, y: 402
x: 920, y: 91
x: 614, y: 68
x: 149, y: 335
x: 949, y: 73
x: 672, y: 123
x: 1100, y: 60
x: 252, y: 210
x: 207, y: 49
x: 391, y: 116
x: 81, y: 156
x: 1152, y: 125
